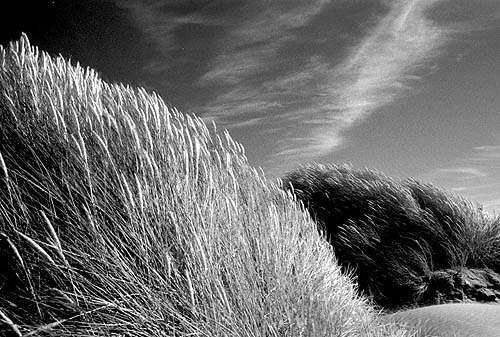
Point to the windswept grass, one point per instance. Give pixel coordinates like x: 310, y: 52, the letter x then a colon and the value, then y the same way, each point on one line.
x: 395, y: 233
x: 119, y: 216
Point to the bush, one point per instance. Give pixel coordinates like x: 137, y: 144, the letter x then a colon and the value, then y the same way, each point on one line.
x: 394, y: 233
x: 121, y: 216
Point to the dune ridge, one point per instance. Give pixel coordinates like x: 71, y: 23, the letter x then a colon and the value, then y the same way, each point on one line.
x: 119, y: 215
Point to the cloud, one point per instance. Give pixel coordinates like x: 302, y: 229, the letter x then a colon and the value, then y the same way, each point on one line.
x: 383, y: 65
x: 463, y: 175
x: 242, y: 69
x: 253, y: 31
x: 463, y: 172
x: 476, y: 177
x: 277, y: 98
x: 379, y: 68
x: 488, y: 153
x: 263, y: 69
x: 251, y: 47
x: 323, y: 98
x: 159, y: 20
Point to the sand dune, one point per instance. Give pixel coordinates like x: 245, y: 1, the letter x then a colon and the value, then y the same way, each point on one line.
x: 453, y: 320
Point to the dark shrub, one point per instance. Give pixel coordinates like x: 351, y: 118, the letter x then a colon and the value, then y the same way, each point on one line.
x: 393, y: 233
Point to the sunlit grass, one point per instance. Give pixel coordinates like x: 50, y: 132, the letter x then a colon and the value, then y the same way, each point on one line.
x: 120, y: 216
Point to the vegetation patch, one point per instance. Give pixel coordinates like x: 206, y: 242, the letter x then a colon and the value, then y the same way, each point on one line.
x: 395, y: 234
x: 120, y: 216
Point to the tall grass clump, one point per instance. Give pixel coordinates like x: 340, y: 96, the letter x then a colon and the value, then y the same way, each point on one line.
x: 394, y: 233
x: 120, y: 216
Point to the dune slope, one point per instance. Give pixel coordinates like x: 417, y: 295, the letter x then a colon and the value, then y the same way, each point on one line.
x: 121, y: 216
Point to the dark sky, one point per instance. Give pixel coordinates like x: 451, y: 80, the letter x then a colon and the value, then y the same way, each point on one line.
x: 95, y: 33
x: 409, y: 87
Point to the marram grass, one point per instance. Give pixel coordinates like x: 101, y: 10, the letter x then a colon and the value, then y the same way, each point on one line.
x: 395, y: 233
x: 120, y: 216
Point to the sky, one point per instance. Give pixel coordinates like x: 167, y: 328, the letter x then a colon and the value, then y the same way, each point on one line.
x: 408, y: 87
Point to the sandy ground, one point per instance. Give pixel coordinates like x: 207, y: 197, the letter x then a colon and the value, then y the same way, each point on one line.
x: 452, y: 320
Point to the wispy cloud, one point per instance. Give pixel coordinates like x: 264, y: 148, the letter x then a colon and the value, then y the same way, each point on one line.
x: 463, y: 172
x: 244, y: 67
x: 475, y: 177
x: 311, y: 97
x: 159, y: 19
x: 323, y: 98
x: 380, y: 66
x: 252, y: 46
x: 275, y: 99
x: 486, y: 153
x: 247, y: 67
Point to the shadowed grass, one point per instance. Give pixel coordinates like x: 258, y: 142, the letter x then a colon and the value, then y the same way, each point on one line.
x: 394, y: 233
x: 121, y: 216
